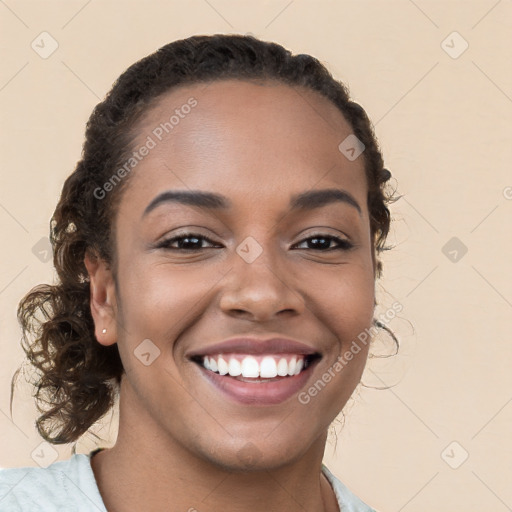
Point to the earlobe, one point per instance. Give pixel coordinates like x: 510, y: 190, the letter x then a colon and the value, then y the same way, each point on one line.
x: 102, y: 298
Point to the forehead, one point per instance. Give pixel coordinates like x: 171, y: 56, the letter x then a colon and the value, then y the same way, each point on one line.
x: 246, y: 138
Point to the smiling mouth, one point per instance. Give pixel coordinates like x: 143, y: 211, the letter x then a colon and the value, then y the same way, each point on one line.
x: 258, y: 368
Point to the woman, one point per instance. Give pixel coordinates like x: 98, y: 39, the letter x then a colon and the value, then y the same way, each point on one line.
x: 217, y: 249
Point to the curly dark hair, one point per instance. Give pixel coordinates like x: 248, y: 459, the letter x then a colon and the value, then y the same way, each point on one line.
x: 78, y: 378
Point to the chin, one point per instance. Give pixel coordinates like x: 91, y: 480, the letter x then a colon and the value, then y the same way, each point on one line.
x: 258, y: 455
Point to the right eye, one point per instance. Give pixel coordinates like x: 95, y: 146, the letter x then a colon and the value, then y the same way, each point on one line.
x: 186, y: 242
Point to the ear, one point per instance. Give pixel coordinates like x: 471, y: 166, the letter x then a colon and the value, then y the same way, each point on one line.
x: 102, y: 298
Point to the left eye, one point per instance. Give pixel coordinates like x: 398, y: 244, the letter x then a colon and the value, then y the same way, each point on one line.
x: 193, y: 242
x: 323, y: 242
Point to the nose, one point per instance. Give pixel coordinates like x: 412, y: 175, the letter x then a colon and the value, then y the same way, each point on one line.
x: 261, y: 290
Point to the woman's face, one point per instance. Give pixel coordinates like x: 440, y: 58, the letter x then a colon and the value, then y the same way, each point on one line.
x: 260, y: 264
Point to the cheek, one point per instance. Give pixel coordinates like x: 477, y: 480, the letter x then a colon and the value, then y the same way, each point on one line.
x: 344, y: 299
x: 159, y: 303
x: 332, y: 387
x: 345, y: 305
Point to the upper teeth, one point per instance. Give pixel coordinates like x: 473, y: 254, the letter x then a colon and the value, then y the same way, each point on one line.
x: 267, y: 366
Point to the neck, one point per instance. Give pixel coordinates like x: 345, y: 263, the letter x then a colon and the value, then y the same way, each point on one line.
x: 147, y: 470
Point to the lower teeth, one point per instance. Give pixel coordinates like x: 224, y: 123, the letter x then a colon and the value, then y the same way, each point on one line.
x: 257, y: 379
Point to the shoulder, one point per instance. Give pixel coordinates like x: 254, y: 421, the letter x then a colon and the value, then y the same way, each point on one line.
x: 63, y: 485
x: 347, y: 500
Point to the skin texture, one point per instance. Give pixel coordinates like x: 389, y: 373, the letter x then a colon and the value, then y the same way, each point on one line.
x: 181, y: 443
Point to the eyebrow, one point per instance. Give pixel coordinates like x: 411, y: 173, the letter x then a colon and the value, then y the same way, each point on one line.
x: 208, y: 200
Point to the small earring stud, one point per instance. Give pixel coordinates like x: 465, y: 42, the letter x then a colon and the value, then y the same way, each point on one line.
x: 104, y: 331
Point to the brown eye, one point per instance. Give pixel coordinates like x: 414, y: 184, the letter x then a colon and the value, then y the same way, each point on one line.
x: 185, y: 242
x: 323, y: 243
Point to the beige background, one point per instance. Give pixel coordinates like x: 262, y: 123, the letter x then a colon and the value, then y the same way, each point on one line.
x: 445, y: 127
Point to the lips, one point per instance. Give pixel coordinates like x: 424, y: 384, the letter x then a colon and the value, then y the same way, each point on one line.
x: 255, y: 371
x: 255, y: 346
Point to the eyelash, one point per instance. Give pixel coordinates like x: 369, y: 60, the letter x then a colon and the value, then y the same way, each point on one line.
x: 343, y: 245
